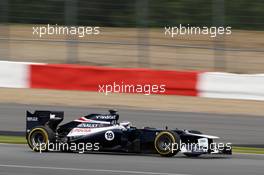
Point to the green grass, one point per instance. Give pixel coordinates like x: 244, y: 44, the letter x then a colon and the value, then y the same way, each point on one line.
x: 13, y: 139
x: 249, y: 150
x: 22, y: 140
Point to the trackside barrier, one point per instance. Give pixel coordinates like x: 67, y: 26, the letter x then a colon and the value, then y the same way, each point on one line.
x: 231, y: 86
x: 88, y: 78
x: 14, y: 75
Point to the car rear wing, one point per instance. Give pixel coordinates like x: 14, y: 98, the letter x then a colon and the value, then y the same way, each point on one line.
x: 43, y: 118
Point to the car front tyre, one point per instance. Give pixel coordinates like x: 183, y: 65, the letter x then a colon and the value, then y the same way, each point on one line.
x: 167, y: 143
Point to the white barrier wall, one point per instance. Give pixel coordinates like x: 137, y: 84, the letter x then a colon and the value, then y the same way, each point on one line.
x: 14, y: 74
x: 231, y: 86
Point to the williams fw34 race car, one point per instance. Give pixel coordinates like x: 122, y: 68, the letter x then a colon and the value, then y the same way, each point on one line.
x: 104, y: 133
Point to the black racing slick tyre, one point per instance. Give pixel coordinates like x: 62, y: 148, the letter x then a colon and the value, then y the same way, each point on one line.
x: 167, y: 143
x: 39, y: 137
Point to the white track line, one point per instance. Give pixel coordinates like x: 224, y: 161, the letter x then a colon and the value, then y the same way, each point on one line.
x: 91, y: 170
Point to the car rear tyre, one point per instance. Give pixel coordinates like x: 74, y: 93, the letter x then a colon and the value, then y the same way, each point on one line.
x: 167, y: 143
x: 39, y: 137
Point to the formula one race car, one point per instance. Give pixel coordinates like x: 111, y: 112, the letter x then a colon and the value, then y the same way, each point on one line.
x: 103, y: 132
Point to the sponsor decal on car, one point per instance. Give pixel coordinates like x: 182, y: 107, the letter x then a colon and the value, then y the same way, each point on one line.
x: 109, y: 135
x: 32, y: 119
x: 79, y: 131
x: 111, y: 117
x: 88, y: 125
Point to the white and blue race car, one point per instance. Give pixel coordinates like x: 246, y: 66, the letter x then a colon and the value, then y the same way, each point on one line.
x: 106, y: 134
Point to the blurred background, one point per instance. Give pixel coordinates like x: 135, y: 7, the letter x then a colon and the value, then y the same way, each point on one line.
x: 132, y: 33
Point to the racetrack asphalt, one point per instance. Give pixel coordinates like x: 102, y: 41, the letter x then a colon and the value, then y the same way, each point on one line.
x: 19, y: 159
x: 237, y: 129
